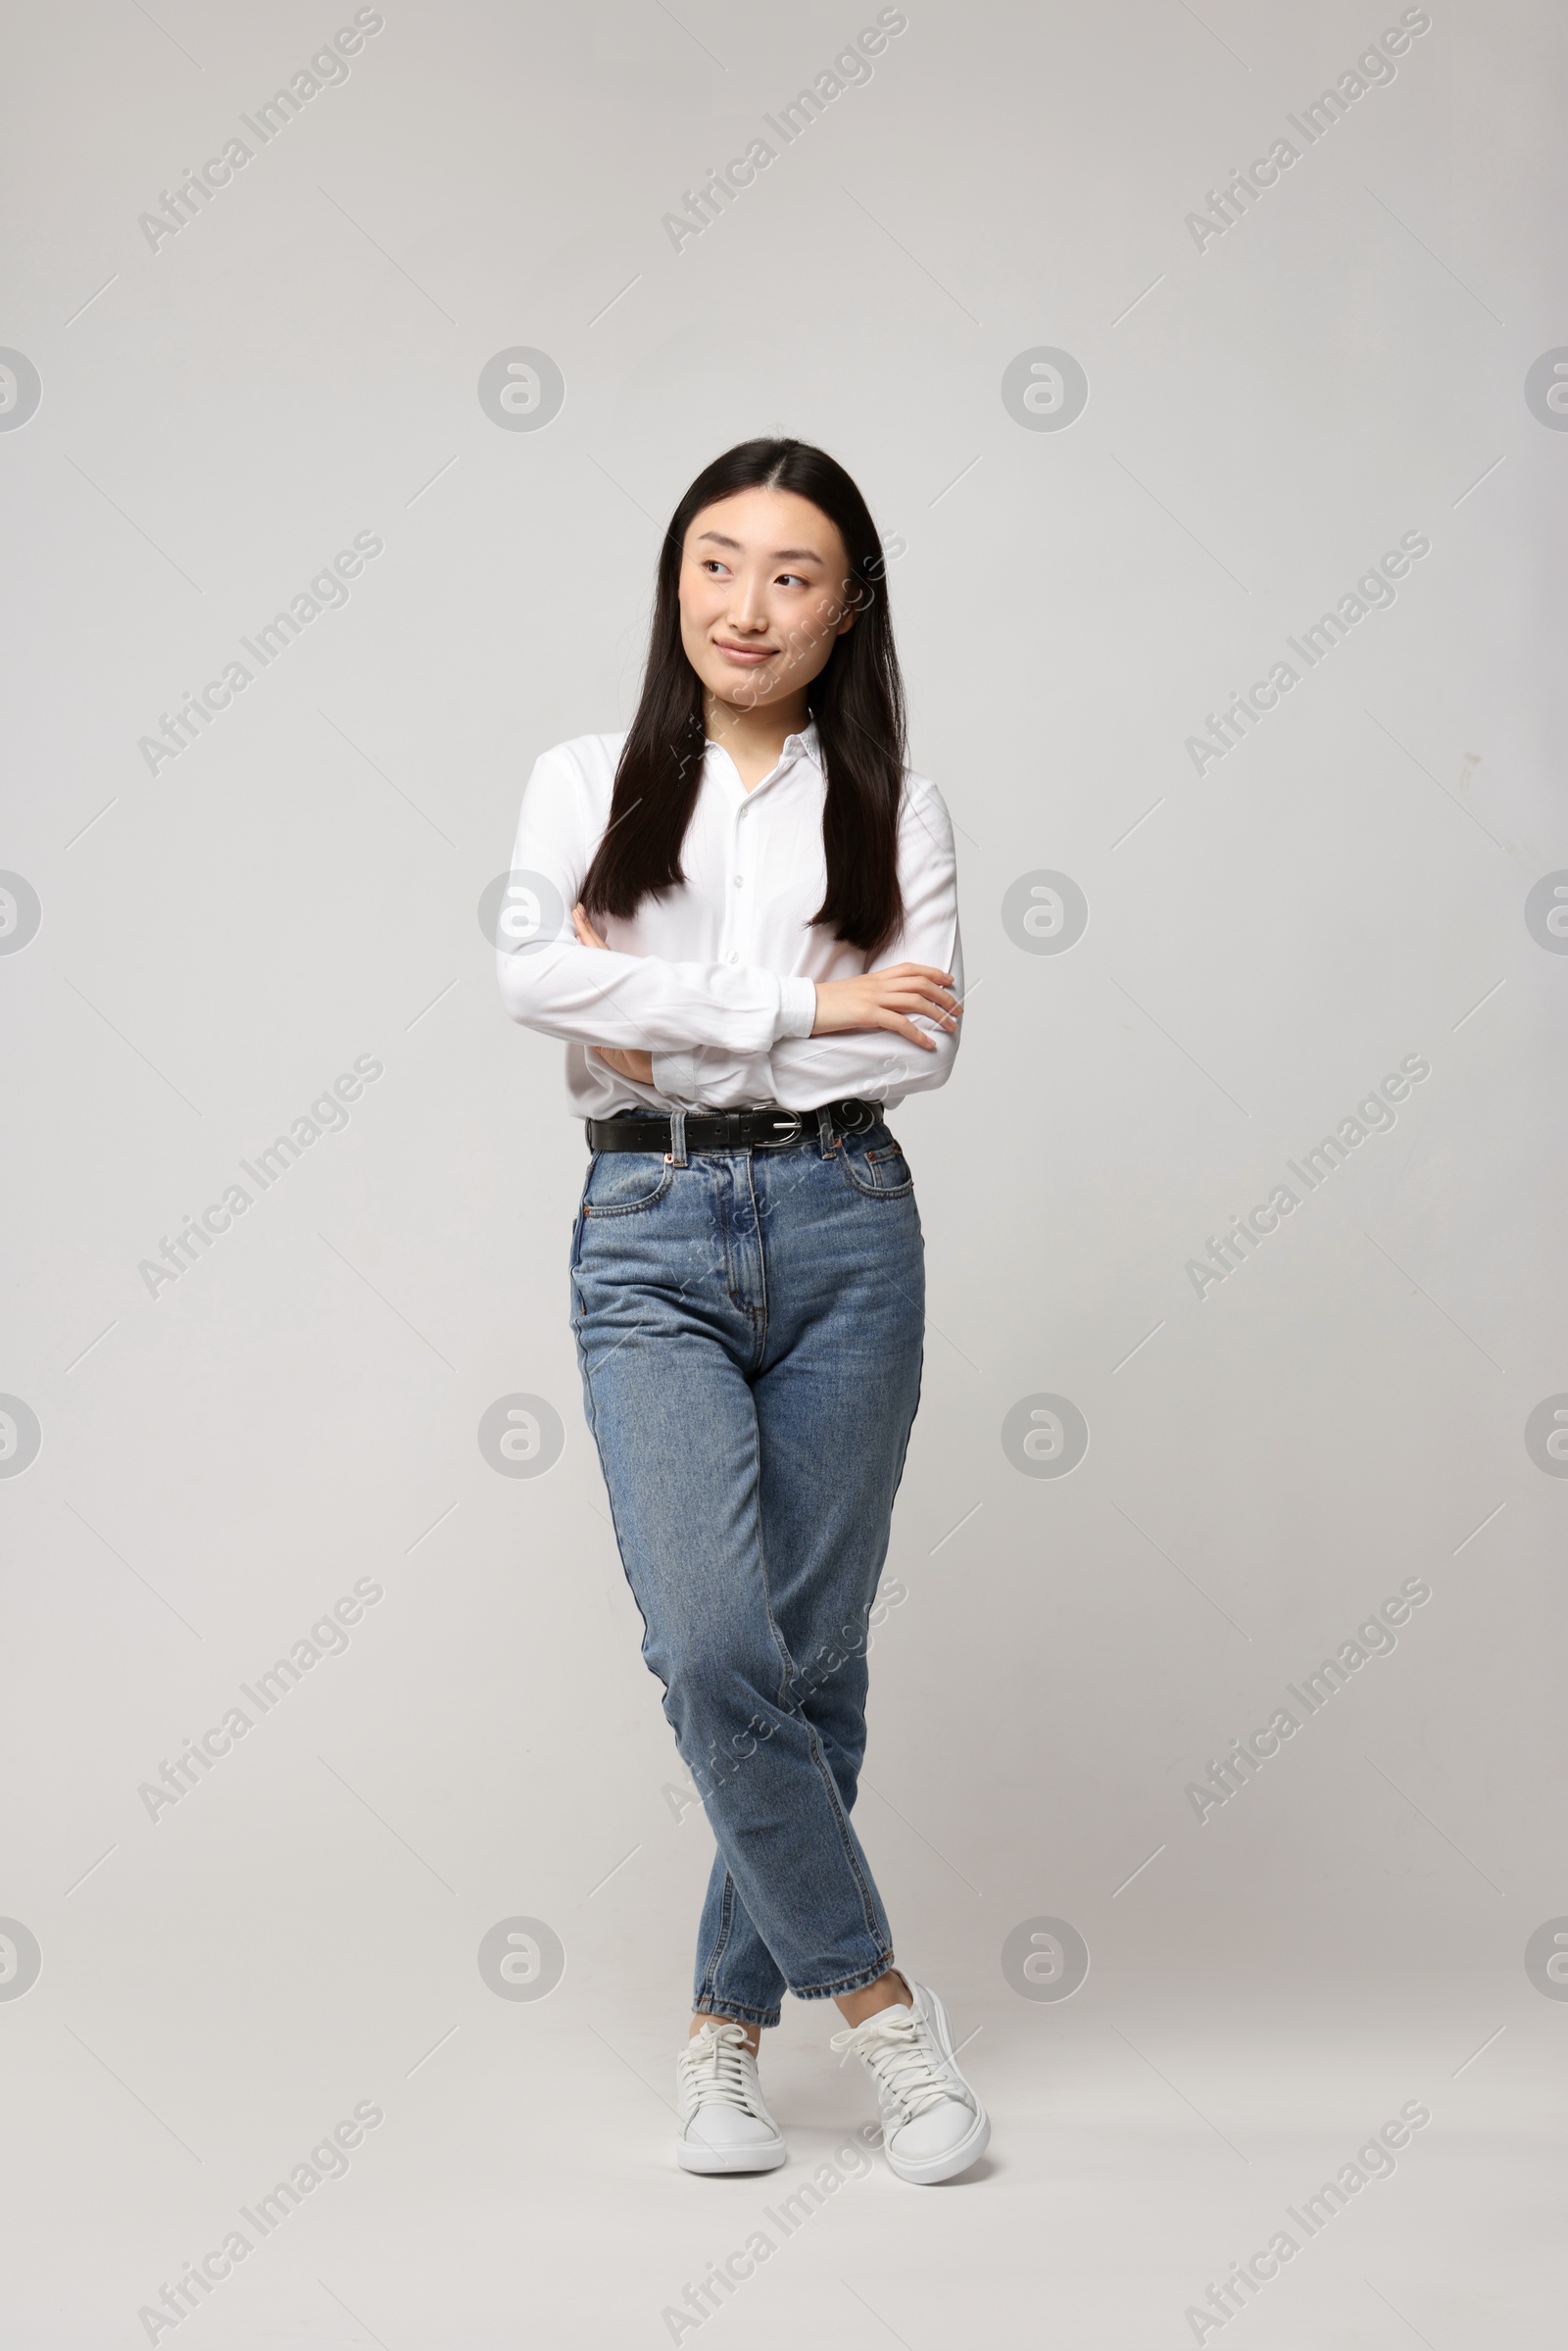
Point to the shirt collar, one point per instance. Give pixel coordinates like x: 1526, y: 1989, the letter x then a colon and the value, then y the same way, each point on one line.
x: 807, y: 745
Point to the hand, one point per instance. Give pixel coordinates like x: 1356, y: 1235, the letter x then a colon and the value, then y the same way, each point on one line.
x: 884, y: 1000
x: 639, y: 1067
x: 625, y: 1060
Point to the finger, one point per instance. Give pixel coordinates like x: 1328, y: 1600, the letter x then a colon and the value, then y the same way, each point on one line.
x: 941, y: 1021
x: 931, y: 1001
x: 927, y: 971
x: 904, y: 983
x: 916, y: 984
x: 585, y: 931
x: 907, y: 1028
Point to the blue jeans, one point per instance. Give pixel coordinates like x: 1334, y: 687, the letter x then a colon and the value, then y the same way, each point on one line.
x: 751, y: 1325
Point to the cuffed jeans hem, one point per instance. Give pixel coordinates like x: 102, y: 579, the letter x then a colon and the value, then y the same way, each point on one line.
x: 744, y: 2014
x: 737, y: 2009
x: 844, y: 1984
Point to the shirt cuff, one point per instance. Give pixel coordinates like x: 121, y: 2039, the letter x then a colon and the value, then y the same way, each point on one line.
x: 796, y: 1009
x: 676, y: 1075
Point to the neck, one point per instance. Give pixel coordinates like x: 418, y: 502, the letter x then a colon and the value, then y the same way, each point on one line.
x: 750, y: 734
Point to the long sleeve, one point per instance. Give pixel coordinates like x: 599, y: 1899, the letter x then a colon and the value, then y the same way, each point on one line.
x: 875, y: 1063
x: 590, y: 996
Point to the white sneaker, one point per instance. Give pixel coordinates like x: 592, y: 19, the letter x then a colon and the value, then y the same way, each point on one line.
x: 724, y: 2124
x: 933, y: 2123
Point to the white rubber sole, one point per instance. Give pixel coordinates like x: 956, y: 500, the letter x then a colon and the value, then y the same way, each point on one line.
x: 696, y: 2158
x: 975, y: 2140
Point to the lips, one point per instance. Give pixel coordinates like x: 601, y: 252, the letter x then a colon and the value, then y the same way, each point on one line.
x: 752, y: 654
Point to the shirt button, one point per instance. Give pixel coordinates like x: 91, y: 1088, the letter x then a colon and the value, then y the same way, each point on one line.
x: 734, y: 956
x: 740, y: 881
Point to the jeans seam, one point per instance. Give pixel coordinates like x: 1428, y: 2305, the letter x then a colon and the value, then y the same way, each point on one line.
x: 759, y: 1312
x: 845, y: 1833
x: 788, y: 1673
x: 726, y: 1920
x: 593, y: 1431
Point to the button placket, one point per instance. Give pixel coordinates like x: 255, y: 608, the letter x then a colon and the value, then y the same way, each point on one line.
x: 736, y: 922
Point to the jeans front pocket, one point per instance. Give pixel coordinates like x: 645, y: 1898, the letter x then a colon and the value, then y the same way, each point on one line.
x: 875, y: 1165
x: 625, y: 1182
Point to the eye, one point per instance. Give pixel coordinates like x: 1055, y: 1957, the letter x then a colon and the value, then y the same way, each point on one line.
x: 800, y: 582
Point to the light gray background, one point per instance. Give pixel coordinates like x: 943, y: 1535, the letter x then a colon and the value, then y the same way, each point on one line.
x: 218, y: 941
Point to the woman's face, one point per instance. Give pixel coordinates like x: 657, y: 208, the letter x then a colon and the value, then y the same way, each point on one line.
x: 764, y: 596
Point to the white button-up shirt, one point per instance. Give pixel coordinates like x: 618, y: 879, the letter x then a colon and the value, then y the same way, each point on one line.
x: 715, y: 978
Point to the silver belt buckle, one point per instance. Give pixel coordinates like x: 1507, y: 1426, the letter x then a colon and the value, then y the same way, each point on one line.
x: 796, y: 1128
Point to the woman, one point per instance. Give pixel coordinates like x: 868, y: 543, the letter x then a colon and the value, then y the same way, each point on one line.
x: 762, y: 952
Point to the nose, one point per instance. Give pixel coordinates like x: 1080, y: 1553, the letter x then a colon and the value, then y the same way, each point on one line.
x: 748, y: 607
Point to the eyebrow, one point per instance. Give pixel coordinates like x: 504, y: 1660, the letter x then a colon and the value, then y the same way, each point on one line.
x: 780, y: 553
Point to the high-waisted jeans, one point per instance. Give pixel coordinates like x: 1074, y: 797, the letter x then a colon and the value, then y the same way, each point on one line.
x: 750, y: 1325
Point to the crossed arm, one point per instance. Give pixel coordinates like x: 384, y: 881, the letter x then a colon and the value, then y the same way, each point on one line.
x: 705, y: 1031
x: 871, y: 1000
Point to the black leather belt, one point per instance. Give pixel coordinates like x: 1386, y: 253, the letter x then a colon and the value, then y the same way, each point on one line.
x: 728, y: 1130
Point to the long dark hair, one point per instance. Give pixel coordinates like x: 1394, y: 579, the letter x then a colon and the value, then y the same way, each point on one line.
x: 857, y: 702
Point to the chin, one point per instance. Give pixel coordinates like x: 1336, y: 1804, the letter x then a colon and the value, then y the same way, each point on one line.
x: 741, y: 692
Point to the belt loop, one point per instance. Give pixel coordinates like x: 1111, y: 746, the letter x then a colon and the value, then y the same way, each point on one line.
x: 677, y: 1137
x: 824, y: 1129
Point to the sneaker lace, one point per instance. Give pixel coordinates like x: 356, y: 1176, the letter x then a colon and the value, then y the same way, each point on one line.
x: 714, y: 2063
x: 899, y: 2053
